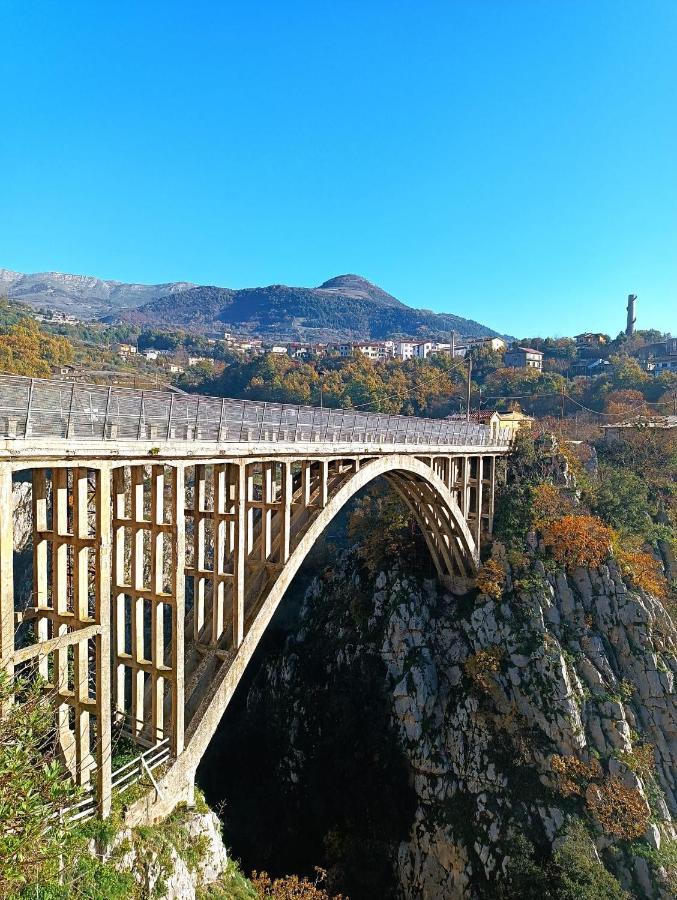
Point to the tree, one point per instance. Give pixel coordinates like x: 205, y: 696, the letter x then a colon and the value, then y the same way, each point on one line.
x: 27, y: 350
x: 384, y: 528
x: 622, y: 499
x: 626, y: 402
x: 578, y: 541
x: 32, y: 787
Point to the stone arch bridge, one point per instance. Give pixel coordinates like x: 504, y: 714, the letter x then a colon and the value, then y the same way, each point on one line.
x: 164, y: 530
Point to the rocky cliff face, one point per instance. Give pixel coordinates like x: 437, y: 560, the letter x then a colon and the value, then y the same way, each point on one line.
x: 527, y: 723
x: 181, y: 859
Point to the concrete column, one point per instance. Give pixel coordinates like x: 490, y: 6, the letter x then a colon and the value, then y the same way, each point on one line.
x: 157, y: 635
x: 137, y: 475
x: 306, y: 481
x: 241, y: 542
x: 178, y: 606
x: 6, y: 570
x: 219, y: 529
x: 464, y: 488
x: 118, y: 642
x: 39, y: 504
x: 266, y: 510
x: 199, y: 497
x: 480, y: 482
x: 103, y: 651
x: 285, y: 532
x: 59, y: 604
x: 80, y: 591
x: 324, y: 479
x: 492, y: 496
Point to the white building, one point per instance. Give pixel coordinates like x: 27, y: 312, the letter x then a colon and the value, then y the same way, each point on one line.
x: 405, y: 350
x: 494, y: 343
x: 378, y: 351
x: 124, y: 349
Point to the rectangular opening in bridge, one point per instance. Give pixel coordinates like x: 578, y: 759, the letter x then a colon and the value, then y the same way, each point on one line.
x: 125, y: 608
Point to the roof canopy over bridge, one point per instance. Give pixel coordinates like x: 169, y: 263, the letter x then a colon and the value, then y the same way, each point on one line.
x: 34, y: 408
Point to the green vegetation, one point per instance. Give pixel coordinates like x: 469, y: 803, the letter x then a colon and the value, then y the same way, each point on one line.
x: 574, y: 872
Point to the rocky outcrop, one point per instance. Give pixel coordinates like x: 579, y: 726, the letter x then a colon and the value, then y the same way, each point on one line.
x: 175, y: 860
x: 488, y: 697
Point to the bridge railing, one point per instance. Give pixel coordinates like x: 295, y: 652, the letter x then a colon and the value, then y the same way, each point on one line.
x: 142, y: 766
x: 32, y: 407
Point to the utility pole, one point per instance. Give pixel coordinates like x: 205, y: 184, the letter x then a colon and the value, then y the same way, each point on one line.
x: 467, y: 411
x: 321, y: 372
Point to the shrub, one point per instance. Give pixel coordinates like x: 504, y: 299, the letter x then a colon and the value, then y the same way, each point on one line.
x: 580, y: 875
x: 548, y: 505
x: 640, y: 760
x: 578, y: 541
x: 575, y: 872
x: 642, y: 570
x: 491, y: 579
x: 572, y: 775
x: 513, y: 514
x: 292, y: 887
x: 32, y: 787
x: 618, y: 809
x: 622, y: 499
x: 480, y: 667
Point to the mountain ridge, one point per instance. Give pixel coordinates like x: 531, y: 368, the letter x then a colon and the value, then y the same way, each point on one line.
x: 81, y: 295
x: 344, y: 307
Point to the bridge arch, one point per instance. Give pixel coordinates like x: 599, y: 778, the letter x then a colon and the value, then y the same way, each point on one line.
x: 135, y: 495
x: 447, y: 535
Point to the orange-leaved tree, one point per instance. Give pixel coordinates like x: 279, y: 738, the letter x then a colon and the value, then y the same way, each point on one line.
x: 491, y: 579
x: 617, y: 808
x: 643, y: 571
x: 578, y: 541
x: 27, y: 350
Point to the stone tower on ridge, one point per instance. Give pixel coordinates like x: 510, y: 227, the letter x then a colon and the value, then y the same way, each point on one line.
x: 630, y: 327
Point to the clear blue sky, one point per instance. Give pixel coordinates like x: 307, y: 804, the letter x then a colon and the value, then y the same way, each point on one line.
x: 514, y: 161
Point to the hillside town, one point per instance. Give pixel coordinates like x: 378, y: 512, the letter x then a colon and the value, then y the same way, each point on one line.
x: 585, y: 354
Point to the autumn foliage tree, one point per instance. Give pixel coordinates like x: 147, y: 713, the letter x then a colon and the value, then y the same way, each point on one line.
x: 27, y: 350
x: 578, y: 541
x: 643, y: 570
x: 491, y: 579
x: 292, y: 887
x: 618, y: 809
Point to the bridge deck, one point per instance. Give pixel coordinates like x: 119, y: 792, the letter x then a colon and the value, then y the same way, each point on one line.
x: 35, y: 409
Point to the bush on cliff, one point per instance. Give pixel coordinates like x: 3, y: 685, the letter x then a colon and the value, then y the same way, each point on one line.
x: 573, y: 872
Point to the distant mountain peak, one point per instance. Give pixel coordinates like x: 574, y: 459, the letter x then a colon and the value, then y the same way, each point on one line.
x: 360, y: 288
x: 348, y: 281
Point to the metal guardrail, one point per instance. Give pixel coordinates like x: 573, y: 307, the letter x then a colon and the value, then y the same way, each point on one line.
x: 122, y: 778
x: 33, y: 407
